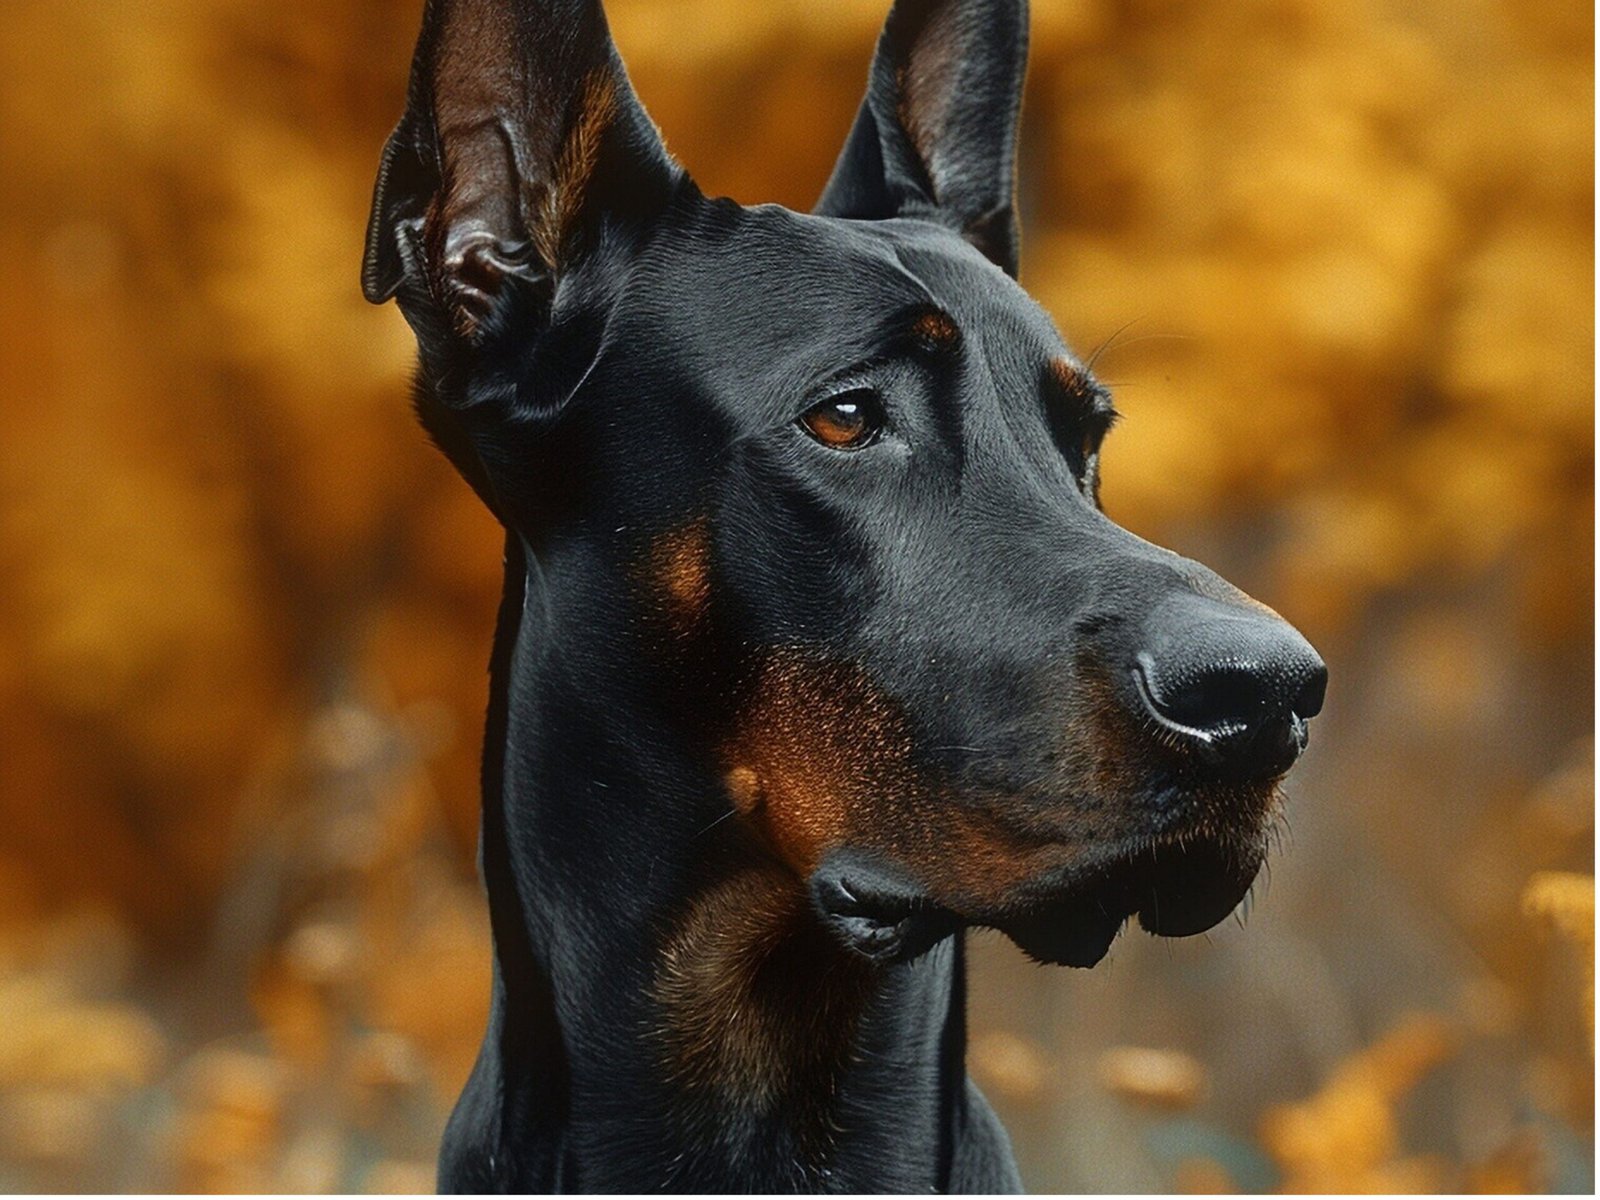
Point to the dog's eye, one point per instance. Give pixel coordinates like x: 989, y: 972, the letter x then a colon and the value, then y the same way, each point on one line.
x: 849, y: 421
x: 1082, y: 445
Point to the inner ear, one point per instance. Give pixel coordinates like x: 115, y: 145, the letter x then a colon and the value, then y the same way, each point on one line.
x: 936, y: 134
x: 521, y: 137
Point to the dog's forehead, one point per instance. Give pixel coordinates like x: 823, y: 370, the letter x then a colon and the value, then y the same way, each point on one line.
x: 772, y: 260
x: 987, y: 304
x: 769, y: 281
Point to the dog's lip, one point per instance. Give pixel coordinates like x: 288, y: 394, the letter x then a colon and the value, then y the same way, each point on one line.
x: 1187, y: 864
x: 875, y: 909
x: 1175, y: 887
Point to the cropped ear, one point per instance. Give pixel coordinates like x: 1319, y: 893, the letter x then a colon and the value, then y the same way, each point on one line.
x: 936, y: 136
x: 521, y: 135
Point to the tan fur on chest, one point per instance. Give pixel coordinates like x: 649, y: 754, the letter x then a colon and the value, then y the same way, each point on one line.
x: 758, y: 1007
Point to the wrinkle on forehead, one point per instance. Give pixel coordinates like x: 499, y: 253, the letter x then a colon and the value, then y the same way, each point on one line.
x: 852, y: 250
x: 765, y: 297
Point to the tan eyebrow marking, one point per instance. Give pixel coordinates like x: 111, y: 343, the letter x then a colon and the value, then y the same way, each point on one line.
x: 1072, y: 379
x: 935, y: 329
x: 1078, y: 390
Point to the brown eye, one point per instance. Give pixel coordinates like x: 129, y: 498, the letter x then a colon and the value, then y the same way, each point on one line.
x: 848, y: 421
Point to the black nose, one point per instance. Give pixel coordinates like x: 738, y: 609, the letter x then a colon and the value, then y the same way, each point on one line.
x: 1234, y: 685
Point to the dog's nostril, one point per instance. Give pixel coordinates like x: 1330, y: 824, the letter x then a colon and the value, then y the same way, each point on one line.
x: 1214, y: 701
x: 1232, y: 686
x: 1232, y: 718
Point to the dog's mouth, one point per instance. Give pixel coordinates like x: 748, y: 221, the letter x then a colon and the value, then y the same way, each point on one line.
x: 1174, y: 887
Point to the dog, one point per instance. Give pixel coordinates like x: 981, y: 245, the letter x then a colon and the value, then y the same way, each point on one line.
x: 816, y: 647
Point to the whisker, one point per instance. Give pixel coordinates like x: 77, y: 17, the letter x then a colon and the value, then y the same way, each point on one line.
x: 1152, y: 337
x: 1094, y: 355
x: 718, y: 821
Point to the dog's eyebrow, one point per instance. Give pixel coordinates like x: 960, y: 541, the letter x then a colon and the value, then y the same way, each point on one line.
x: 934, y: 329
x: 923, y: 329
x: 1070, y: 383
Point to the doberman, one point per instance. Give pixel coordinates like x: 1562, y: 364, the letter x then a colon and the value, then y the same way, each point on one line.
x: 815, y: 647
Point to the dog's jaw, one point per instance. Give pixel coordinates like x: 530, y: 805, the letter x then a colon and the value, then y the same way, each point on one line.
x: 1177, y: 883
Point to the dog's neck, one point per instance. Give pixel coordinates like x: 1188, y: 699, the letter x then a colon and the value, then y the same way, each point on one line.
x: 668, y: 1010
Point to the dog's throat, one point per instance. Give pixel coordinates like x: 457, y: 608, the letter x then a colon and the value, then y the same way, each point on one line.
x: 758, y: 1006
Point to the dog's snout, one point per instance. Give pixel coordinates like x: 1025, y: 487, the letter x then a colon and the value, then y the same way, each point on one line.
x: 1235, y: 686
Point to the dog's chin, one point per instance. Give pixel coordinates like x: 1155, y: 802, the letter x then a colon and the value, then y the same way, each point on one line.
x: 1175, y: 887
x: 1174, y: 890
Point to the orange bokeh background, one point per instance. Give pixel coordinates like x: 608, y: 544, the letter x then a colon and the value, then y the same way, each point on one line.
x: 1343, y: 255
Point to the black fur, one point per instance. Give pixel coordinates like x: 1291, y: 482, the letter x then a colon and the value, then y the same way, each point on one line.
x: 771, y: 719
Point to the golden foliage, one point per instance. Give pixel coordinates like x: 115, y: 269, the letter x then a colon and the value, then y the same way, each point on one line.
x: 1566, y: 900
x: 1158, y: 1078
x: 53, y: 1040
x: 1009, y: 1065
x: 1346, y: 1137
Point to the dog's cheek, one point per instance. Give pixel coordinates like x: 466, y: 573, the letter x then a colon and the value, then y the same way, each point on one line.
x: 822, y: 760
x: 677, y: 578
x: 818, y: 757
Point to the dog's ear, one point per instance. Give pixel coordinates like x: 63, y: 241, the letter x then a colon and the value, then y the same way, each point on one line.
x: 521, y: 136
x: 936, y: 136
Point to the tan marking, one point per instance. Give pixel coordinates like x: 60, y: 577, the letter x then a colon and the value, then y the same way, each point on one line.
x: 936, y: 329
x: 1069, y: 376
x: 824, y: 743
x: 562, y: 200
x: 680, y: 572
x: 759, y: 1006
x: 832, y: 758
x: 744, y: 789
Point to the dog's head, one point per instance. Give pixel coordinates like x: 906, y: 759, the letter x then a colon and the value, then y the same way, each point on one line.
x: 827, y: 485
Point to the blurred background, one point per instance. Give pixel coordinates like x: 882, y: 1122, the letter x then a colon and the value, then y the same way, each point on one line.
x: 1339, y: 257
